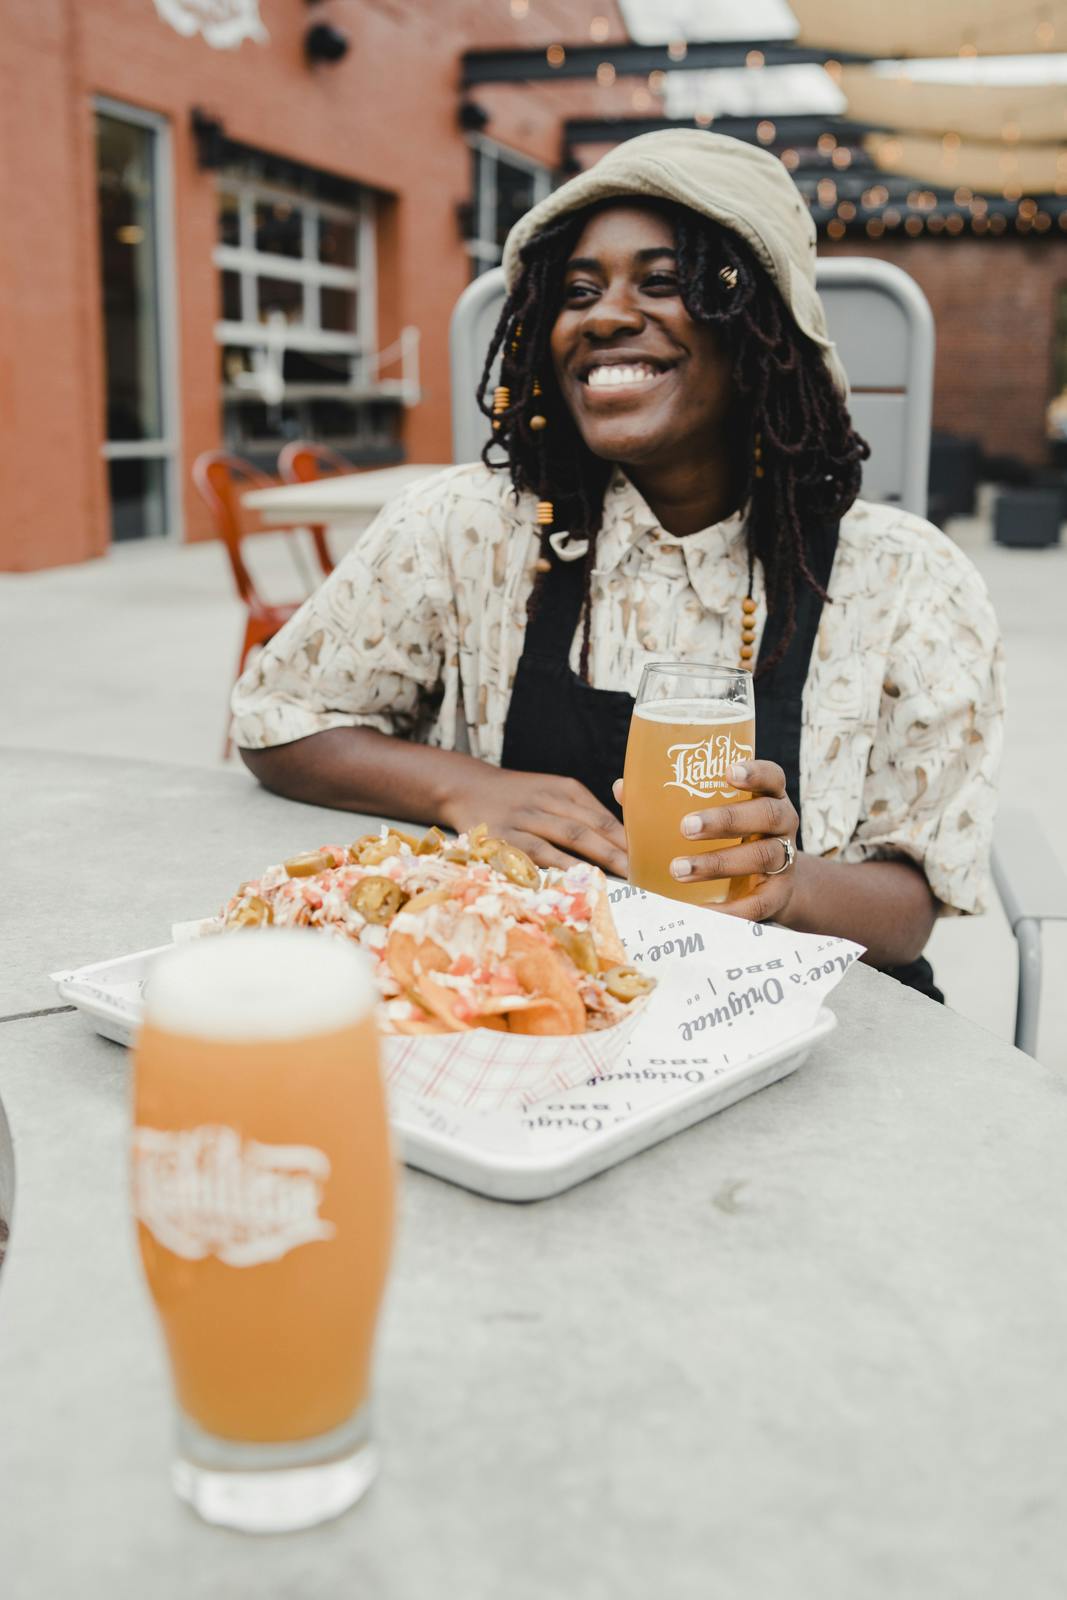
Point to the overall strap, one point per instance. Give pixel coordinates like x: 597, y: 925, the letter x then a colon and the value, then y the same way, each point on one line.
x: 550, y: 630
x: 779, y: 692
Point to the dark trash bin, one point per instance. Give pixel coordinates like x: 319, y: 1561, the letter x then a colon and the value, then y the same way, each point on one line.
x: 1027, y: 519
x: 954, y: 471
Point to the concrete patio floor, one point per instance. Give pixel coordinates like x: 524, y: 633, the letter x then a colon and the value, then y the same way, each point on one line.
x: 133, y: 656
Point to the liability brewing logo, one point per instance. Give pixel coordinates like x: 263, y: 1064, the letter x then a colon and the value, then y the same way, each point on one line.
x: 222, y: 23
x: 700, y: 769
x: 208, y: 1192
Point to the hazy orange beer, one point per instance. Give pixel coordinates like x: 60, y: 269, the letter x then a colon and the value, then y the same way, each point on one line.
x: 263, y: 1189
x: 690, y: 724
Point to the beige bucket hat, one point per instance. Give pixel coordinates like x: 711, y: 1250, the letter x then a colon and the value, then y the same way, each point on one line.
x: 738, y: 185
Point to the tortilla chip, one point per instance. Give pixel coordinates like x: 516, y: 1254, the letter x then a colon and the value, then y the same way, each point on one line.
x: 611, y: 952
x: 544, y: 1017
x: 543, y: 970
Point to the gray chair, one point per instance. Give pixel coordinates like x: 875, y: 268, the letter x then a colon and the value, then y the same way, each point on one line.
x: 882, y: 325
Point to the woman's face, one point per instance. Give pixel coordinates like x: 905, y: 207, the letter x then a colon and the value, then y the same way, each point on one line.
x: 643, y: 381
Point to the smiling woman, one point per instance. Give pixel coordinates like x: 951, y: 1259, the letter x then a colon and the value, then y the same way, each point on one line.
x: 673, y: 475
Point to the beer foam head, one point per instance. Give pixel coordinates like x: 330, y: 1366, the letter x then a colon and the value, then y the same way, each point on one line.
x: 693, y: 713
x: 269, y: 983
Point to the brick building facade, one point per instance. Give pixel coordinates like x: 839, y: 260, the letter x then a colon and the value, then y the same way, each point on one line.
x: 223, y: 197
x: 1000, y: 311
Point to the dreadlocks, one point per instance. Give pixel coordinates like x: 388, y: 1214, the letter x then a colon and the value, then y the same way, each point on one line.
x: 807, y: 473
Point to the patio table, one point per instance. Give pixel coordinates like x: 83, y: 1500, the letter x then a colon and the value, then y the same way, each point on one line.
x: 351, y: 498
x: 811, y: 1347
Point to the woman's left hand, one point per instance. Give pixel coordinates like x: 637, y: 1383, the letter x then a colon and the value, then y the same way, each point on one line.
x: 762, y: 823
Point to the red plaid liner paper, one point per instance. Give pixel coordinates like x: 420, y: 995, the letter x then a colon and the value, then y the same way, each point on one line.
x: 488, y: 1071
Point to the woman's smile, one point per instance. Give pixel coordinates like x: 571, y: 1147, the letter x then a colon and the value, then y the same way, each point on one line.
x: 646, y: 384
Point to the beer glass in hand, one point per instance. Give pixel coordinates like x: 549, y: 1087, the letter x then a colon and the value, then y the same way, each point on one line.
x: 263, y: 1191
x: 690, y: 724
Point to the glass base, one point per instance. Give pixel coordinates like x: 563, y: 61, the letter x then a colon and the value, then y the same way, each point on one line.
x: 274, y: 1488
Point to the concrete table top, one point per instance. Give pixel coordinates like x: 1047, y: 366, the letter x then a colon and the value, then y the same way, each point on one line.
x: 348, y: 498
x: 107, y: 854
x: 810, y: 1348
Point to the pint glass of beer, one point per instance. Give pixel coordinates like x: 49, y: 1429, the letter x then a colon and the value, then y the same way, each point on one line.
x: 263, y: 1192
x: 690, y: 723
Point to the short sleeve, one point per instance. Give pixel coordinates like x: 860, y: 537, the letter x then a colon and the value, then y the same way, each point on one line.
x: 366, y: 649
x: 930, y: 792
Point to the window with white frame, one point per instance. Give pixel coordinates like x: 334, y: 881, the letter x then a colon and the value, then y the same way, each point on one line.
x: 297, y: 332
x: 504, y: 186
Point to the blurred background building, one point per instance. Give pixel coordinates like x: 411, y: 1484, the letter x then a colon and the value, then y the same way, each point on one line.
x: 239, y: 222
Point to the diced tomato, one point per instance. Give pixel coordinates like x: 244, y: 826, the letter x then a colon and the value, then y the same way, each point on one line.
x: 462, y: 967
x: 581, y: 910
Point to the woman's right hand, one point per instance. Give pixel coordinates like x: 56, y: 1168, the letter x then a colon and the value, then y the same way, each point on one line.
x: 555, y: 820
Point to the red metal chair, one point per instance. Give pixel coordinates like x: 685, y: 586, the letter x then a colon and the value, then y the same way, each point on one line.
x: 303, y: 461
x: 221, y: 480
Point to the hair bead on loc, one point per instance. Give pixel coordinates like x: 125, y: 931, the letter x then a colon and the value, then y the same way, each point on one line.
x: 728, y: 277
x: 757, y: 454
x: 501, y: 401
x: 545, y: 513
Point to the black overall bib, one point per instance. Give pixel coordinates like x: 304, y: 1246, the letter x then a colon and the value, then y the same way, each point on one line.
x: 556, y: 723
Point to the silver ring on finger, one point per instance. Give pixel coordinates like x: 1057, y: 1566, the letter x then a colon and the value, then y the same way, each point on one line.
x: 790, y: 856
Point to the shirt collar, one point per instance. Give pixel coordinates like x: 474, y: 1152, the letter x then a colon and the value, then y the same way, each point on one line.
x: 710, y: 554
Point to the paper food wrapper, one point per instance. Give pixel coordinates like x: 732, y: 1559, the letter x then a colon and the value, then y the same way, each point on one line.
x: 726, y: 991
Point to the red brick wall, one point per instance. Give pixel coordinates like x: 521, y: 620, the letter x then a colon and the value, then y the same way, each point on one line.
x: 384, y: 116
x: 993, y: 306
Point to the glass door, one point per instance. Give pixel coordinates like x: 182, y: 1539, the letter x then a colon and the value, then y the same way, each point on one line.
x: 136, y: 267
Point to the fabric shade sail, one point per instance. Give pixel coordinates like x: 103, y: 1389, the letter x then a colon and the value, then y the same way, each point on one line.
x: 1030, y: 113
x: 933, y: 27
x: 984, y: 166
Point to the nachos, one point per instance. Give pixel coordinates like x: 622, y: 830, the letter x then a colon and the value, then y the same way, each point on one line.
x: 463, y: 933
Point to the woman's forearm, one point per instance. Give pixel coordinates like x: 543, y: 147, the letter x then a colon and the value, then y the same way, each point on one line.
x: 885, y: 905
x: 359, y: 769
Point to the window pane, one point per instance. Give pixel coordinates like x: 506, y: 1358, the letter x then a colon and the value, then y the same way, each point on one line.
x: 138, y: 499
x: 229, y: 219
x: 337, y: 242
x: 279, y: 228
x: 129, y: 274
x: 233, y: 360
x: 231, y: 296
x: 514, y: 197
x: 280, y: 294
x: 316, y: 366
x: 337, y: 309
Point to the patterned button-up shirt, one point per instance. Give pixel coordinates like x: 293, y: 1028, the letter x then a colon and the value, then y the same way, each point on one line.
x: 419, y: 630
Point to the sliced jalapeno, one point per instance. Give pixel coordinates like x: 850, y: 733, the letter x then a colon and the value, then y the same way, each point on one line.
x: 516, y: 866
x: 626, y: 983
x: 310, y: 863
x: 377, y: 899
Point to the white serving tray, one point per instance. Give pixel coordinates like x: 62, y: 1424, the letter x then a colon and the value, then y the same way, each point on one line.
x: 515, y: 1154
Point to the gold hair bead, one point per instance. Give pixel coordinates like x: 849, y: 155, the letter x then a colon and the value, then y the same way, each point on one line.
x: 545, y: 513
x: 748, y: 629
x: 536, y: 388
x: 759, y: 471
x: 728, y: 277
x: 538, y: 422
x: 542, y: 564
x: 501, y: 398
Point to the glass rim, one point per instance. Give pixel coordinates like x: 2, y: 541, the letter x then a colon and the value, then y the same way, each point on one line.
x: 702, y: 669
